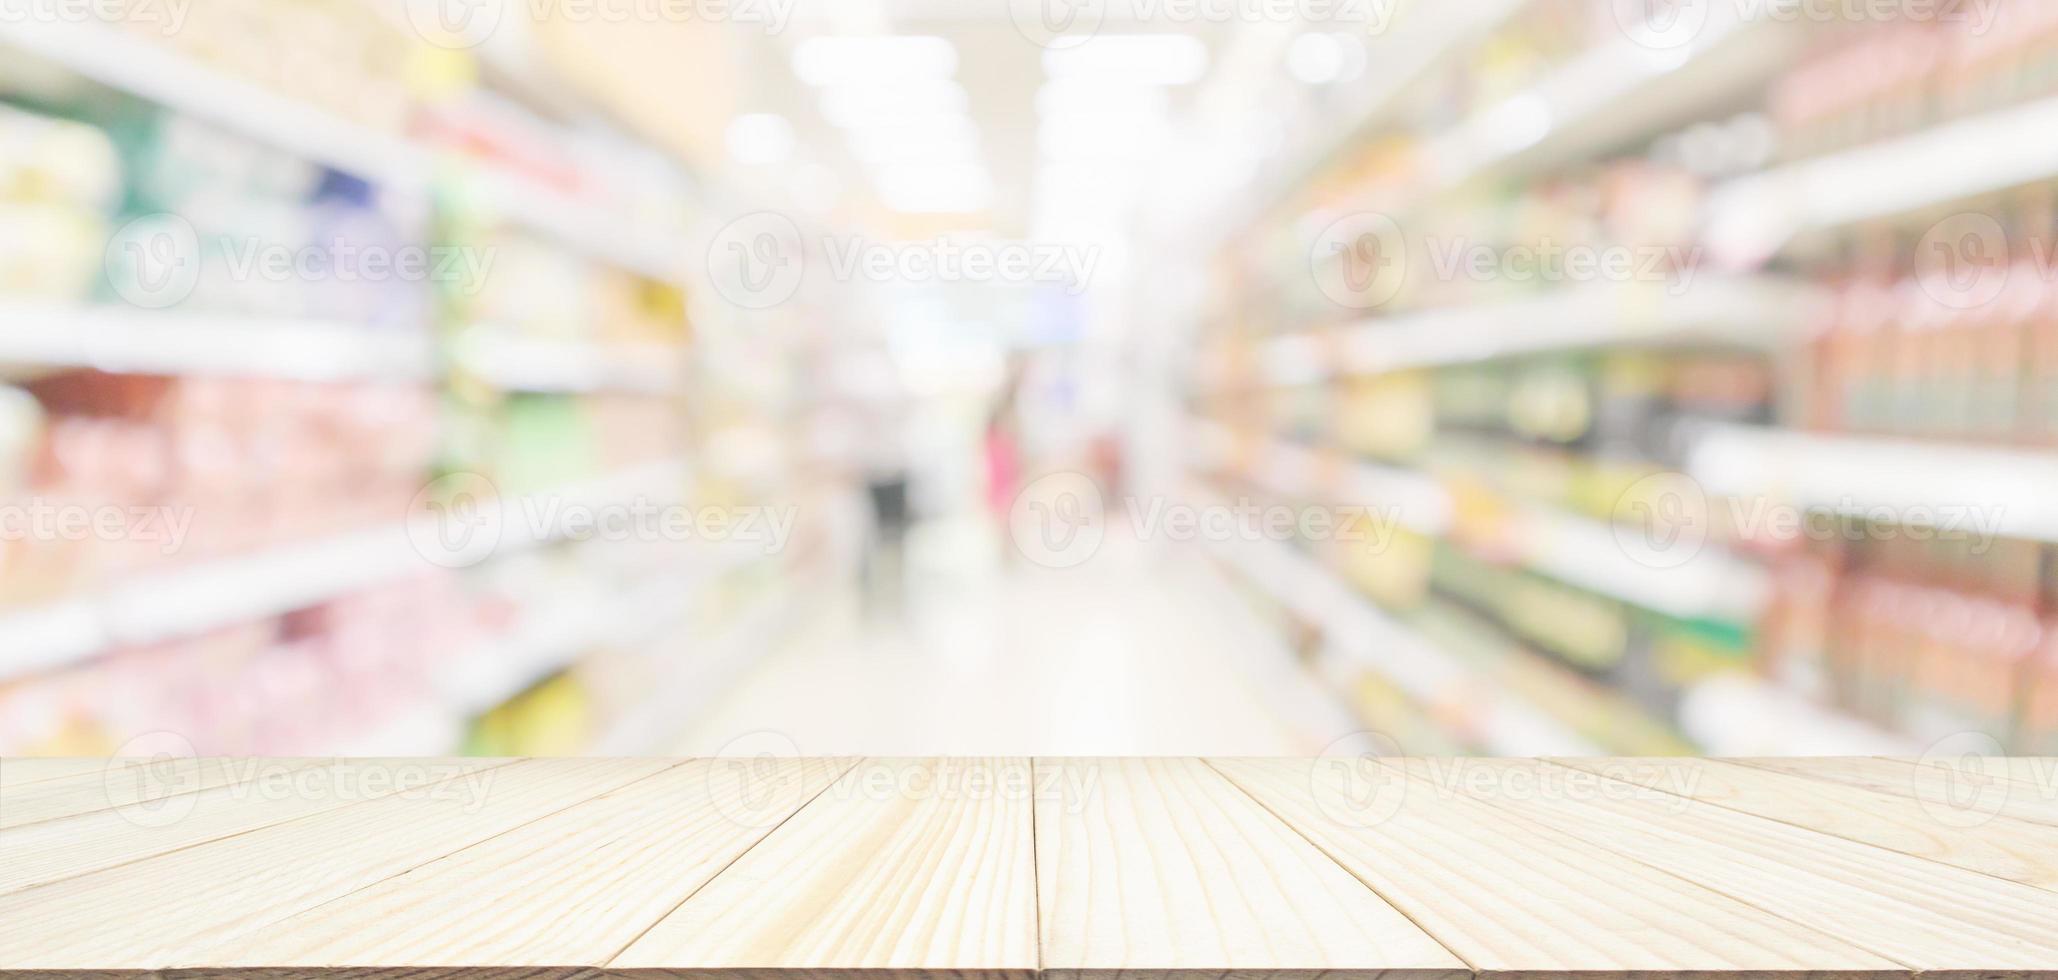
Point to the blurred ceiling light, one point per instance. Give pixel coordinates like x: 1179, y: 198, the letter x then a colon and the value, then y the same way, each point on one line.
x: 932, y: 189
x: 1157, y: 59
x: 940, y: 149
x: 760, y: 139
x: 1059, y: 97
x: 847, y: 60
x: 856, y: 105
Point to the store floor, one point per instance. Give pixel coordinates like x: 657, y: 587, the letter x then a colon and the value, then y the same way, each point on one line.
x: 1142, y: 650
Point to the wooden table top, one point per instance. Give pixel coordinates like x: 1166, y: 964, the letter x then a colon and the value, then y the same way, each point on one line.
x: 1408, y: 869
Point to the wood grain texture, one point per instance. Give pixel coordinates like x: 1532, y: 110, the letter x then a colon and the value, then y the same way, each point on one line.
x: 1988, y: 843
x: 1963, y: 794
x: 1003, y: 869
x: 67, y: 847
x: 17, y: 772
x: 142, y: 787
x: 907, y: 868
x: 1512, y: 898
x: 173, y: 907
x: 570, y: 889
x: 1924, y: 915
x: 1163, y: 868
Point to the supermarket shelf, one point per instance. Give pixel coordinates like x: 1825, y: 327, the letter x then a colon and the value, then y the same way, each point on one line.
x: 1754, y: 311
x: 582, y: 227
x: 2011, y: 490
x: 120, y: 340
x: 1748, y: 310
x: 1757, y: 214
x: 704, y: 669
x: 1610, y: 95
x: 1576, y: 550
x: 188, y: 601
x: 551, y: 638
x: 1360, y: 632
x: 160, y: 74
x: 523, y: 364
x: 1425, y: 38
x: 1297, y: 472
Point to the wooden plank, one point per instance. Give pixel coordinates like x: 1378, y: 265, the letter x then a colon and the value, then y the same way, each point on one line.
x: 141, y: 787
x: 1162, y: 868
x: 1515, y: 899
x: 67, y: 847
x: 18, y: 771
x: 912, y: 868
x: 571, y: 889
x: 1959, y: 797
x: 1999, y: 846
x: 1916, y: 912
x: 172, y: 908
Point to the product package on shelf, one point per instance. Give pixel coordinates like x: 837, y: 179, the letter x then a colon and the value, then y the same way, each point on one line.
x: 59, y: 182
x: 189, y: 469
x: 302, y: 684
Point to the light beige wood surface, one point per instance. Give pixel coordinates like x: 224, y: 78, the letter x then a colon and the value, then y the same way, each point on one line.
x: 18, y: 772
x: 1008, y: 869
x: 1976, y: 841
x: 168, y: 910
x: 1924, y: 915
x: 1963, y: 793
x: 1512, y: 897
x: 1151, y: 867
x: 67, y: 847
x: 573, y: 888
x: 900, y: 866
x: 140, y: 787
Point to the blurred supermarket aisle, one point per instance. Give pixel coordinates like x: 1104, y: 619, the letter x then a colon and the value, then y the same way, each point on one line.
x: 1141, y: 650
x: 1517, y: 376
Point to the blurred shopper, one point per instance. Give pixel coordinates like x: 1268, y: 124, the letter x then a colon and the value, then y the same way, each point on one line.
x: 886, y: 488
